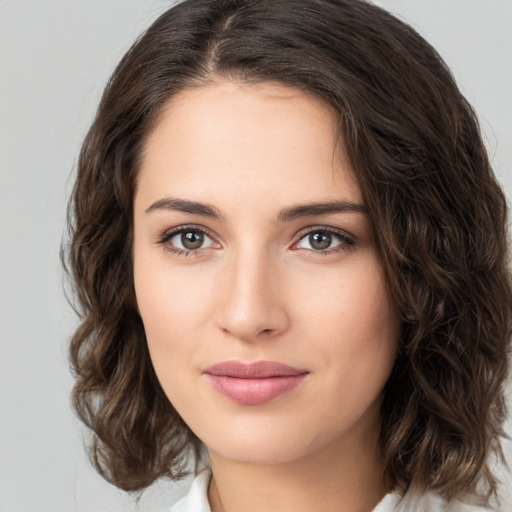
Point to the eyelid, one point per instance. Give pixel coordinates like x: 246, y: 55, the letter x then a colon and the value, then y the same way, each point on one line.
x: 166, y: 235
x: 323, y: 227
x: 348, y: 239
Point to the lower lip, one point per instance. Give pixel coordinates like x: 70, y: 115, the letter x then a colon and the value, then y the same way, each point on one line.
x: 254, y: 391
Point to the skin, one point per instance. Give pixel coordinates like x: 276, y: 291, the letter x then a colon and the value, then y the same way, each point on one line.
x: 259, y: 289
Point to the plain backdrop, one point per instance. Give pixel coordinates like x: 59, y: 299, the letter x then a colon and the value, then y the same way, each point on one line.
x: 55, y: 57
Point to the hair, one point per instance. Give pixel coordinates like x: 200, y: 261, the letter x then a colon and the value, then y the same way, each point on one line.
x: 437, y: 212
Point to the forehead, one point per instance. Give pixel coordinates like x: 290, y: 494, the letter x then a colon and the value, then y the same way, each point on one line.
x: 248, y: 140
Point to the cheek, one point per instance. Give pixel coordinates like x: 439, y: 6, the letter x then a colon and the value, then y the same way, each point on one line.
x: 158, y: 303
x: 163, y: 316
x: 352, y: 303
x: 356, y: 328
x: 175, y: 305
x: 170, y: 299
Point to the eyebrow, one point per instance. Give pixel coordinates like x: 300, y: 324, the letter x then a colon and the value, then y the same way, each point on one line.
x: 182, y: 205
x: 317, y: 209
x: 291, y: 213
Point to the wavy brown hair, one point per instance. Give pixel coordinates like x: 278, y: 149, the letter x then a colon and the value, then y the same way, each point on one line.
x: 437, y: 211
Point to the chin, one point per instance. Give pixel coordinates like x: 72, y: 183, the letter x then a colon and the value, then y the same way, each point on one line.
x: 267, y: 444
x: 261, y: 453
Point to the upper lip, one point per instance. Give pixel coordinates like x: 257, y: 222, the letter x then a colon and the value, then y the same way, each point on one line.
x: 255, y: 370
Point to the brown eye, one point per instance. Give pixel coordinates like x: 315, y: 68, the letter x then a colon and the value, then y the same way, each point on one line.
x: 189, y: 240
x: 320, y: 241
x: 192, y: 239
x: 326, y: 240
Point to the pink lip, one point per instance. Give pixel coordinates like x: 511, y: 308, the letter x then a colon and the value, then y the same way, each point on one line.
x: 254, y: 383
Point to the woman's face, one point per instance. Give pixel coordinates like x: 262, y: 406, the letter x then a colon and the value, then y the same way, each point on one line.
x: 264, y: 303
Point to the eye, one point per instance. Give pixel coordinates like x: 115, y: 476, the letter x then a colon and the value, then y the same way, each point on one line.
x: 186, y: 240
x: 324, y: 240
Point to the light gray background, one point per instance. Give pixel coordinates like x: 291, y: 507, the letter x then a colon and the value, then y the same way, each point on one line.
x: 55, y: 57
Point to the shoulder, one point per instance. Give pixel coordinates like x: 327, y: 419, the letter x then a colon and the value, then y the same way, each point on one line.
x: 196, y: 500
x: 429, y: 502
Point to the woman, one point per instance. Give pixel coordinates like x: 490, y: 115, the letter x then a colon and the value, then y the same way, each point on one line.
x: 289, y: 249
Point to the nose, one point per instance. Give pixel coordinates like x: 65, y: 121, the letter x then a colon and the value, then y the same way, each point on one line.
x: 252, y: 304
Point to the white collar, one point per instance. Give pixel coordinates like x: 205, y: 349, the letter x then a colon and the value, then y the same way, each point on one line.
x: 197, y: 500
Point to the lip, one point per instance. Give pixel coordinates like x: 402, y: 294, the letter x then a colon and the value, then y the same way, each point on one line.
x: 254, y: 383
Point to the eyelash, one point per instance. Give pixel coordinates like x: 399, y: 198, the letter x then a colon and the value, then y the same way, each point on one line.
x: 346, y: 241
x: 168, y: 235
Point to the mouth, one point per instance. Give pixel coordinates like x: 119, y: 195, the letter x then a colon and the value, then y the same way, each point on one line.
x: 254, y: 383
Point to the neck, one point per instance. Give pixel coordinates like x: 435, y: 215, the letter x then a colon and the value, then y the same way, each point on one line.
x: 345, y: 475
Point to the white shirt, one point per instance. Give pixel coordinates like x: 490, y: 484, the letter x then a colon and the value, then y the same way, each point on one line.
x: 197, y: 501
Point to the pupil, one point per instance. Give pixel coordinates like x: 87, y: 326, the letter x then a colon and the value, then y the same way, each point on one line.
x: 320, y: 240
x: 192, y: 239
